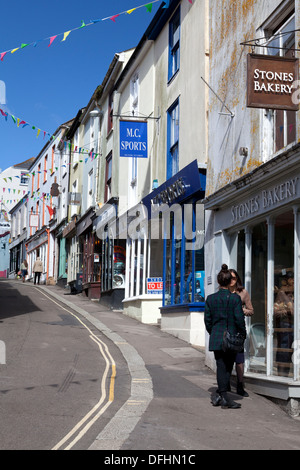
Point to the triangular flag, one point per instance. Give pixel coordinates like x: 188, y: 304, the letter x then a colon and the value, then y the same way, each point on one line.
x: 13, y: 118
x: 2, y: 54
x: 38, y: 132
x: 82, y: 24
x: 66, y: 34
x: 36, y: 42
x: 130, y: 11
x: 149, y: 7
x: 23, y: 45
x: 113, y: 18
x: 14, y: 50
x: 167, y: 3
x: 18, y: 121
x: 51, y: 40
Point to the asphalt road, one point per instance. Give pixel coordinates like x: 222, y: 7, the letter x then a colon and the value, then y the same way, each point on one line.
x: 61, y: 350
x: 59, y: 375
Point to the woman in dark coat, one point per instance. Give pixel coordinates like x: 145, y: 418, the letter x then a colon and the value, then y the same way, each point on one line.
x: 218, y: 307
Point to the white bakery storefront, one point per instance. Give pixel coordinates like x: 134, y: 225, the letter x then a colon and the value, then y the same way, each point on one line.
x: 257, y: 231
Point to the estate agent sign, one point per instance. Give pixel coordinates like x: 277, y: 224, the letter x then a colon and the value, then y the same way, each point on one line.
x: 271, y: 82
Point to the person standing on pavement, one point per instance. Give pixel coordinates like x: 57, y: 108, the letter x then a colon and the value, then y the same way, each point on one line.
x: 220, y: 308
x: 37, y: 269
x: 24, y: 272
x: 237, y: 287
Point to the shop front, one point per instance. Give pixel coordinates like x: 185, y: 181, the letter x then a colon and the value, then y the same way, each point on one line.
x: 73, y: 256
x: 176, y: 212
x: 257, y: 232
x: 61, y: 255
x: 110, y: 255
x: 91, y: 255
x: 39, y: 246
x: 17, y: 251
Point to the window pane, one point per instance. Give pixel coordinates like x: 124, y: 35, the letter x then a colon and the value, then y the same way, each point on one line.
x: 241, y: 255
x: 175, y: 163
x: 283, y: 320
x: 175, y: 125
x: 259, y: 297
x: 177, y: 284
x: 174, y: 44
x: 188, y: 277
x: 168, y: 272
x: 288, y: 37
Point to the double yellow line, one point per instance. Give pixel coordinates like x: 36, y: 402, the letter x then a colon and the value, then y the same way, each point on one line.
x: 104, y: 402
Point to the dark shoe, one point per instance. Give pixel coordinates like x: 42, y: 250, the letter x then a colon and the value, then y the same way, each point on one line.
x: 216, y: 399
x: 240, y: 390
x: 227, y: 403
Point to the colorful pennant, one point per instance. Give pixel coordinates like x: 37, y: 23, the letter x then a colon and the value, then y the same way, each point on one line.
x: 65, y: 34
x: 21, y: 122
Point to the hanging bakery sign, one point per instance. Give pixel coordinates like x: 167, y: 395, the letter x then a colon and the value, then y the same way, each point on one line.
x: 272, y: 82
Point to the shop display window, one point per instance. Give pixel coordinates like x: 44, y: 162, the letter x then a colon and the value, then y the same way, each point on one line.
x: 144, y: 260
x: 269, y: 349
x: 283, y: 318
x: 184, y: 259
x: 258, y: 358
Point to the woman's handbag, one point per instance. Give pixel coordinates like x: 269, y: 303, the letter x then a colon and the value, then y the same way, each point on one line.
x: 232, y: 342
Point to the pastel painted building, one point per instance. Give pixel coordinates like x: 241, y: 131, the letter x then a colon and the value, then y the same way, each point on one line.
x: 13, y: 189
x: 253, y: 181
x: 42, y: 207
x: 161, y: 94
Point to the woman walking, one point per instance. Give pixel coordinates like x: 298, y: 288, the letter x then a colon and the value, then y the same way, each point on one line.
x: 24, y: 272
x: 223, y: 310
x: 237, y: 287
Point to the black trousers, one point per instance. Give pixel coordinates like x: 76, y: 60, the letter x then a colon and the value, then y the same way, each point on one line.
x: 225, y: 362
x: 37, y: 277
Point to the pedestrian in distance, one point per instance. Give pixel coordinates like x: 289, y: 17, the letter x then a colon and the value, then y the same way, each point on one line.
x: 24, y: 270
x: 237, y: 287
x: 37, y: 269
x: 223, y: 310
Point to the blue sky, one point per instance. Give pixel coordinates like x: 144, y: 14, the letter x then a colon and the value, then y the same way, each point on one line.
x: 46, y: 86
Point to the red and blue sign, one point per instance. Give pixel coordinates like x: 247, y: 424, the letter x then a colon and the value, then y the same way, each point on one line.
x: 155, y: 285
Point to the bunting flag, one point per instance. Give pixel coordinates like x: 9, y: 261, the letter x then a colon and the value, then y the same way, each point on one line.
x: 23, y: 123
x: 65, y: 34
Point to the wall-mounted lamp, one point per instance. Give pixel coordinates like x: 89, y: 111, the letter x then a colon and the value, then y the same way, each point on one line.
x: 244, y: 151
x: 97, y: 112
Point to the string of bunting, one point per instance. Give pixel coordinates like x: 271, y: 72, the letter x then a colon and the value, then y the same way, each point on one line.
x: 65, y: 34
x: 23, y: 123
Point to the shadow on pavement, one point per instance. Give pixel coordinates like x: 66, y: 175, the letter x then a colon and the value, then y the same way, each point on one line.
x: 13, y: 303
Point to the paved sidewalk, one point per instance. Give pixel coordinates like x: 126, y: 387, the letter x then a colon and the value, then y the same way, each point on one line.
x: 169, y: 407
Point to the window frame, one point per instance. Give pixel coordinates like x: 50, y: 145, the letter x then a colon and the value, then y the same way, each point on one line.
x: 108, y: 180
x: 174, y: 46
x: 281, y: 119
x: 173, y: 143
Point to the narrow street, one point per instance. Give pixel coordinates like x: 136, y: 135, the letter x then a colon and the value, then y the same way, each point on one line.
x: 59, y: 375
x: 60, y: 390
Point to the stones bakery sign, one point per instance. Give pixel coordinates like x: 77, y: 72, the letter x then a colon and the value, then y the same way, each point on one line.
x: 271, y: 82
